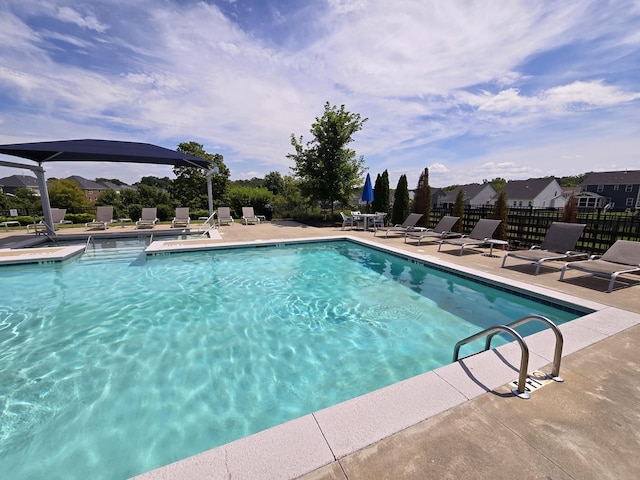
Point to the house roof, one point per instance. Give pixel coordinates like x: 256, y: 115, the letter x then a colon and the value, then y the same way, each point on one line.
x: 624, y: 177
x: 526, y: 189
x: 85, y: 184
x: 470, y: 191
x: 19, y: 181
x: 116, y: 187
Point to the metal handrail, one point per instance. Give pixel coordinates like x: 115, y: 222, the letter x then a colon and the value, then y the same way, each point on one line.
x: 524, y: 358
x: 557, y: 356
x: 89, y: 240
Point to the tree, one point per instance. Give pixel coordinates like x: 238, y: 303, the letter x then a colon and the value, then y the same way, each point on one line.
x: 381, y: 202
x: 329, y: 171
x: 163, y: 183
x: 570, y: 212
x: 401, y: 206
x: 497, y: 183
x: 65, y: 193
x: 189, y: 189
x: 501, y: 212
x: 422, y: 198
x: 274, y: 182
x: 458, y: 211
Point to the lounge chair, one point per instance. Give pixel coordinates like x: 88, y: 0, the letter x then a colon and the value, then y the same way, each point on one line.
x: 408, y: 225
x: 440, y: 231
x: 249, y: 216
x: 148, y: 219
x: 104, y: 216
x: 224, y: 215
x: 621, y: 257
x: 558, y: 244
x: 481, y: 233
x: 346, y: 221
x: 182, y: 218
x: 57, y: 218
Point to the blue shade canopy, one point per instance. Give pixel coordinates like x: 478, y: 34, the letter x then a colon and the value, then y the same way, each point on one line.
x: 367, y: 192
x: 101, y: 151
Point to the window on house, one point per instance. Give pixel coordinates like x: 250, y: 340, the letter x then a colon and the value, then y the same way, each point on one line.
x: 628, y: 188
x: 583, y: 188
x: 629, y: 202
x: 520, y: 203
x: 89, y: 192
x: 600, y: 188
x: 515, y: 204
x: 530, y: 203
x: 616, y: 187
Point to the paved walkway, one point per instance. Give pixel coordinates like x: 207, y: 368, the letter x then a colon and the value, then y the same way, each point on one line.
x: 585, y: 428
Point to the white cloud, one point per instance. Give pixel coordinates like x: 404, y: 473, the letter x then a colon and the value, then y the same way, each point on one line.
x: 432, y: 77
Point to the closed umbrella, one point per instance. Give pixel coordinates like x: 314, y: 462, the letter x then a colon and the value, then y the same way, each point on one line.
x: 367, y: 192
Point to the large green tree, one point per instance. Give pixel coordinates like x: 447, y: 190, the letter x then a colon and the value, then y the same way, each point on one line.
x: 422, y: 198
x: 401, y: 203
x: 67, y: 194
x: 189, y: 189
x: 329, y: 170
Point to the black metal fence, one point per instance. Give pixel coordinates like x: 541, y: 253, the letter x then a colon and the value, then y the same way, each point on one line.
x: 528, y: 226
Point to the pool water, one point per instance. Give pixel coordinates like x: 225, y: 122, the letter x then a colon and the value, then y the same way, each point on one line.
x: 109, y: 368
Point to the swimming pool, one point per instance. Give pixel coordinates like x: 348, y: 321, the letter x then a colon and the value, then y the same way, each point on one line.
x: 119, y: 366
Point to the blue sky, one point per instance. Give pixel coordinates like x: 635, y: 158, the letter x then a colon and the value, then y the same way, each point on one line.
x: 472, y: 90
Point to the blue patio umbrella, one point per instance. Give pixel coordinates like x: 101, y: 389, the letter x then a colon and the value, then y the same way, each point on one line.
x: 367, y: 192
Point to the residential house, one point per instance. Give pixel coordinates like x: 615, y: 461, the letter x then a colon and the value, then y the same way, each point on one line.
x: 475, y: 195
x: 91, y: 189
x: 12, y: 183
x: 616, y: 191
x: 535, y: 193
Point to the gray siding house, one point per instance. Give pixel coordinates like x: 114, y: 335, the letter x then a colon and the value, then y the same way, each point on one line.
x: 616, y: 191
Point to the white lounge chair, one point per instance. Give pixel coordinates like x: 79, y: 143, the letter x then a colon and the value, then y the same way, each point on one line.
x: 148, y: 219
x: 224, y: 216
x: 558, y: 244
x: 621, y: 257
x: 182, y: 218
x: 408, y: 225
x: 104, y: 216
x: 249, y: 216
x: 481, y: 233
x: 440, y: 231
x: 57, y: 218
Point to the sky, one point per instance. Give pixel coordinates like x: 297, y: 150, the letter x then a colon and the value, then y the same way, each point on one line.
x: 471, y: 90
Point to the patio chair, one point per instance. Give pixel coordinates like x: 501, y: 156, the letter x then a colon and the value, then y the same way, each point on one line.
x: 482, y: 232
x: 408, y: 225
x: 148, y: 218
x: 104, y: 216
x: 621, y: 257
x: 440, y: 231
x: 224, y: 216
x: 182, y: 218
x: 558, y: 244
x: 249, y: 216
x: 346, y: 221
x: 378, y: 220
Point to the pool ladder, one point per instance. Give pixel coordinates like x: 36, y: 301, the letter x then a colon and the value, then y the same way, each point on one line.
x: 490, y: 332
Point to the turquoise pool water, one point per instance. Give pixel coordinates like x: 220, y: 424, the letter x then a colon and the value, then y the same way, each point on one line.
x: 112, y: 366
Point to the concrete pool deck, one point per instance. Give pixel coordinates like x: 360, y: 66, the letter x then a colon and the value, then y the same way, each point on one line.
x: 461, y: 420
